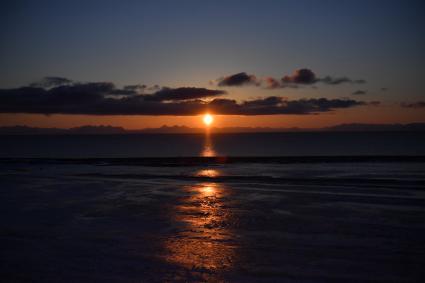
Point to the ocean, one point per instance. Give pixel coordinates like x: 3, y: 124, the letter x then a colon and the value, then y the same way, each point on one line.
x: 190, y: 145
x: 275, y: 207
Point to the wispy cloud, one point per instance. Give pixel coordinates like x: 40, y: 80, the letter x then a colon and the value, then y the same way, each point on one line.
x: 359, y: 92
x: 417, y: 104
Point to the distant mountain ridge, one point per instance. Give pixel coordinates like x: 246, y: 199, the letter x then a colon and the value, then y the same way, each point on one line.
x: 377, y: 127
x: 25, y: 130
x: 108, y: 130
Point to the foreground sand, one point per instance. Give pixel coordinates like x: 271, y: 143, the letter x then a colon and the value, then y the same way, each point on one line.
x: 351, y: 222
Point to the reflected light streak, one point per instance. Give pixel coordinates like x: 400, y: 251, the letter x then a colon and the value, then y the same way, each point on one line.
x: 208, y: 149
x: 210, y: 173
x: 208, y: 191
x: 204, y: 243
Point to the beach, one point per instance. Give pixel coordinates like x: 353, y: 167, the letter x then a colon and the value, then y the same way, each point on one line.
x: 165, y: 221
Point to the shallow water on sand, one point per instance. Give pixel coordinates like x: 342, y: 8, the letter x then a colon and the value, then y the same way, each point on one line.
x: 244, y: 222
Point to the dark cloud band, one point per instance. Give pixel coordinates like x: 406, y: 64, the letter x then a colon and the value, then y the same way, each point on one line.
x: 106, y: 99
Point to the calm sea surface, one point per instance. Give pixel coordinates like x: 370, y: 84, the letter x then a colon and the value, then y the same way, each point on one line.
x: 188, y: 145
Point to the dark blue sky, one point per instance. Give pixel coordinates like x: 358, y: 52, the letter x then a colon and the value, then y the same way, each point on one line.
x: 189, y: 43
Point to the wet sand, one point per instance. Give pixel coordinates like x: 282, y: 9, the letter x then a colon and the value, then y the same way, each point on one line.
x: 248, y: 222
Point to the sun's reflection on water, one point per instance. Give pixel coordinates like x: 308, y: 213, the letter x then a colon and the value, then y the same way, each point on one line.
x: 210, y: 173
x: 208, y: 191
x: 208, y: 149
x: 203, y: 241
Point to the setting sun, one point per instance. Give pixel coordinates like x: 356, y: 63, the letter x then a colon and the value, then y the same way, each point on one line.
x: 208, y: 119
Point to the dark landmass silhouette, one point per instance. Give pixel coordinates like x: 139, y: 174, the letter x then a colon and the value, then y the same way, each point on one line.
x: 108, y: 130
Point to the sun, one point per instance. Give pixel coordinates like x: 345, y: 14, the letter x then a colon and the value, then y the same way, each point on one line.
x: 208, y: 119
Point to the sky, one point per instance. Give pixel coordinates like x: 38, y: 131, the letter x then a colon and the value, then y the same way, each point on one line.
x: 140, y: 64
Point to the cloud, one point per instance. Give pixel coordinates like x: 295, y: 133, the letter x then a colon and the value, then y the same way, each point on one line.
x: 277, y: 105
x: 359, y: 92
x: 154, y: 88
x: 417, y: 104
x: 298, y: 78
x: 47, y: 82
x: 136, y: 87
x: 238, y: 79
x: 271, y: 83
x: 183, y: 93
x: 339, y: 80
x: 104, y: 98
x: 307, y: 76
x: 301, y: 76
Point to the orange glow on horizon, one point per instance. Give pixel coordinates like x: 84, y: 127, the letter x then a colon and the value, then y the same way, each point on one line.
x: 385, y: 114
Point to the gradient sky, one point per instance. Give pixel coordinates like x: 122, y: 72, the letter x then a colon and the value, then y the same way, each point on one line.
x: 191, y: 43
